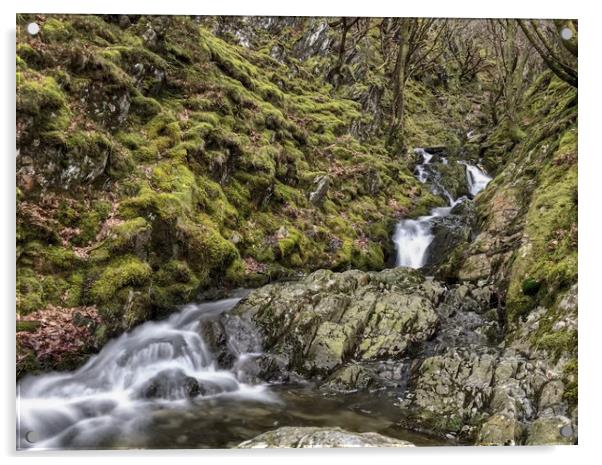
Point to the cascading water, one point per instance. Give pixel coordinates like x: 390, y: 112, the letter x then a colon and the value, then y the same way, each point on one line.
x: 159, y: 365
x: 477, y: 179
x: 161, y: 385
x: 413, y: 237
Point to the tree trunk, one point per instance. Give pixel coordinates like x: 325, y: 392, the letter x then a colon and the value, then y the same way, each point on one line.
x: 400, y: 77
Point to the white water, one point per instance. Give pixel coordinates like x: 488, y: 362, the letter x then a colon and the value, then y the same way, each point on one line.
x: 477, y: 179
x: 152, y: 367
x: 413, y: 237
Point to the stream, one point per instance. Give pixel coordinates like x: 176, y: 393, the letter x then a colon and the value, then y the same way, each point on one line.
x: 161, y: 386
x: 412, y: 237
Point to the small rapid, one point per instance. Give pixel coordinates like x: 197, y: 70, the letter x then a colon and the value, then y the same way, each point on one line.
x: 159, y: 365
x: 477, y: 179
x: 412, y: 237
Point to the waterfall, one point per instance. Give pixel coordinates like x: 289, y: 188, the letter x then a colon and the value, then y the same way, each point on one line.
x: 477, y: 179
x: 162, y: 364
x: 413, y: 237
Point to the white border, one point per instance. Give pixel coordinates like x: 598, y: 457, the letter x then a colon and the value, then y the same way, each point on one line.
x: 590, y: 156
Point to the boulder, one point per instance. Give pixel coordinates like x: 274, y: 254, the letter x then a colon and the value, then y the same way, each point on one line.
x: 549, y: 430
x: 448, y: 233
x: 315, y: 326
x: 311, y: 437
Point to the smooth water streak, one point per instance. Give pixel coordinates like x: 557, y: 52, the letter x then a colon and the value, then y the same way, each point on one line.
x: 158, y: 365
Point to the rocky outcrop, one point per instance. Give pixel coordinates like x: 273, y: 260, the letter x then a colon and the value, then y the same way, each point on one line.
x: 503, y: 395
x: 527, y: 217
x: 450, y: 232
x: 302, y: 437
x: 526, y: 245
x: 439, y: 350
x: 313, y: 327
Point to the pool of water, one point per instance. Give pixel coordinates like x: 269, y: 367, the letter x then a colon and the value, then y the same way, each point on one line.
x: 224, y: 422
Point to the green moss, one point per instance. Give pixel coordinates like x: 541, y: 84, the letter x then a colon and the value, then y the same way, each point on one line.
x: 571, y: 380
x: 205, y: 249
x: 164, y: 130
x: 30, y: 56
x: 559, y: 341
x: 131, y: 140
x: 171, y: 193
x: 30, y: 292
x: 61, y: 258
x: 235, y: 273
x: 174, y: 284
x: 124, y: 271
x: 55, y: 30
x: 41, y: 97
x: 290, y: 242
x: 370, y: 258
x: 549, y: 260
x: 131, y: 236
x: 90, y: 222
x: 73, y: 292
x: 530, y: 286
x: 146, y: 107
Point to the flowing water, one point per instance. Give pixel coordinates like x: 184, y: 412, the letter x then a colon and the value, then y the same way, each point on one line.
x: 157, y: 366
x: 413, y: 237
x: 477, y: 179
x: 160, y: 386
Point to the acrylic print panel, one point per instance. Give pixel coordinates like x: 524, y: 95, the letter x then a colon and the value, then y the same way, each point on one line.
x: 295, y: 232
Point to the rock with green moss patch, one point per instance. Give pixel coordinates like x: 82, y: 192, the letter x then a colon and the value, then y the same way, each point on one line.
x: 327, y: 319
x: 122, y: 272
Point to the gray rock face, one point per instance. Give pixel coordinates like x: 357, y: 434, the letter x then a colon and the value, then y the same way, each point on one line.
x: 450, y: 232
x: 309, y: 437
x: 452, y: 177
x: 314, y: 326
x: 438, y: 349
x: 322, y: 184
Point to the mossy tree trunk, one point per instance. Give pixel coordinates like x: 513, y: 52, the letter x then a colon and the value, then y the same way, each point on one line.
x: 557, y: 52
x: 400, y: 75
x: 417, y: 51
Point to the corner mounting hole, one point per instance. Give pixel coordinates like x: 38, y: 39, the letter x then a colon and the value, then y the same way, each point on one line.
x: 33, y: 28
x: 32, y: 437
x: 566, y: 33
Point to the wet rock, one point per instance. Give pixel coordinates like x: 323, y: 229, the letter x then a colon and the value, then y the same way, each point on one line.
x: 448, y: 233
x: 440, y: 345
x: 170, y: 384
x: 369, y: 375
x: 328, y: 319
x: 452, y: 176
x: 349, y: 378
x: 309, y: 437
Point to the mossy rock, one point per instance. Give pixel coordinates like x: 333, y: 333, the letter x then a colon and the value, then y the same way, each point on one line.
x: 122, y: 272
